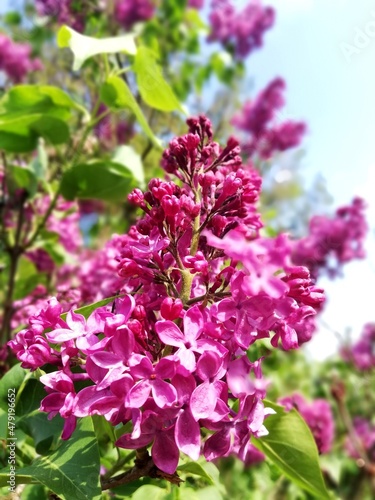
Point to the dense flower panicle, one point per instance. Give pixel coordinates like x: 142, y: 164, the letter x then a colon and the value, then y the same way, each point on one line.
x: 318, y: 416
x: 365, y: 433
x: 362, y: 352
x: 333, y: 241
x: 129, y: 12
x: 264, y: 134
x: 199, y: 286
x: 243, y: 30
x: 196, y: 4
x: 70, y: 12
x: 16, y: 60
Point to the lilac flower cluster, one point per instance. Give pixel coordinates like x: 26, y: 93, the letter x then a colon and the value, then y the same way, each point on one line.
x: 70, y: 12
x: 16, y: 60
x: 200, y: 287
x: 365, y: 433
x: 362, y: 353
x: 333, y: 241
x: 318, y: 416
x: 129, y: 12
x: 243, y: 30
x: 258, y: 119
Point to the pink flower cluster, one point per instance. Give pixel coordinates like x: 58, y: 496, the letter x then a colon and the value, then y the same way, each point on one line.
x: 362, y: 353
x: 129, y: 12
x: 258, y: 119
x: 365, y: 432
x: 16, y: 60
x: 243, y: 30
x: 70, y: 12
x: 318, y: 416
x: 200, y: 287
x: 333, y: 241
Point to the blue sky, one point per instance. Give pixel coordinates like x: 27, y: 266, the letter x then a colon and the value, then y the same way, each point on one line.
x: 325, y: 50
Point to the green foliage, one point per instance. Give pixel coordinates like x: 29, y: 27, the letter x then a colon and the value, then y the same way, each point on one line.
x: 99, y: 180
x: 153, y: 88
x: 116, y: 94
x: 291, y: 446
x: 72, y: 471
x: 28, y: 112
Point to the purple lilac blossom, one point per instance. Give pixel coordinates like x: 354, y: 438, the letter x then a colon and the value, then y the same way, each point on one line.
x: 129, y: 12
x: 333, y: 241
x: 362, y: 352
x: 171, y: 356
x: 318, y: 416
x: 244, y: 30
x: 263, y: 134
x: 65, y: 11
x: 16, y: 60
x: 365, y: 432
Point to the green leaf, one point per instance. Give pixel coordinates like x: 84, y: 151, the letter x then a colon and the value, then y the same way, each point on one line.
x: 116, y: 95
x: 20, y: 477
x: 291, y: 446
x: 35, y: 423
x: 196, y: 469
x: 101, y: 180
x: 13, y: 379
x: 20, y: 134
x: 34, y: 492
x: 87, y: 310
x: 28, y: 112
x: 127, y: 156
x: 149, y: 491
x: 84, y: 47
x: 72, y: 471
x: 21, y: 178
x: 37, y: 99
x: 153, y: 88
x: 27, y: 278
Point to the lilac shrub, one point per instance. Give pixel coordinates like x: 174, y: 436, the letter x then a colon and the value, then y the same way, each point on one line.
x: 16, y: 60
x: 365, y: 437
x: 199, y: 287
x: 333, y: 241
x: 362, y: 352
x: 129, y: 12
x: 243, y: 30
x: 70, y: 12
x: 264, y: 135
x: 318, y: 416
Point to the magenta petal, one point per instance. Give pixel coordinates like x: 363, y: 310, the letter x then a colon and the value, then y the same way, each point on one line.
x: 217, y: 446
x: 62, y: 335
x: 169, y: 333
x: 106, y: 359
x: 52, y: 402
x: 143, y: 369
x: 126, y: 441
x: 166, y: 368
x: 165, y: 453
x: 203, y: 401
x: 187, y: 434
x: 193, y: 324
x: 76, y: 321
x: 138, y: 394
x: 123, y: 342
x: 187, y: 361
x: 208, y: 365
x: 69, y: 427
x: 164, y: 394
